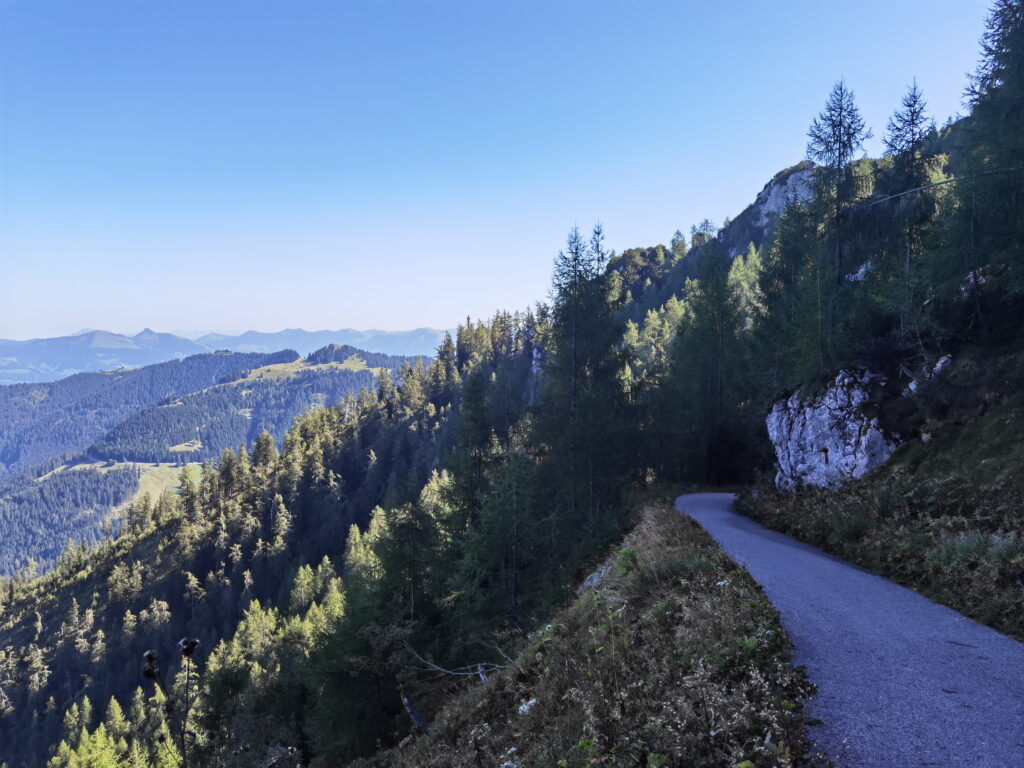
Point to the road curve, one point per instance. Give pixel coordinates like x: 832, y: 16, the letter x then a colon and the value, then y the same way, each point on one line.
x: 902, y: 681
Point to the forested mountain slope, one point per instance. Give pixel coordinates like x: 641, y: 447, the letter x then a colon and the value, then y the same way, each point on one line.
x: 67, y: 474
x: 42, y: 422
x: 404, y: 544
x: 198, y: 426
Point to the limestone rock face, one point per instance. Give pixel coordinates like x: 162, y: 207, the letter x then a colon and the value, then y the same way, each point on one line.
x: 776, y: 194
x: 828, y: 439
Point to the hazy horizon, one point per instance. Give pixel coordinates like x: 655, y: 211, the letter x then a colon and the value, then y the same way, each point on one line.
x: 160, y: 169
x: 195, y: 335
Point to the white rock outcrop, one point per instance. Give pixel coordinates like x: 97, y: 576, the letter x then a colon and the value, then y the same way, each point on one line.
x: 828, y: 439
x: 777, y: 193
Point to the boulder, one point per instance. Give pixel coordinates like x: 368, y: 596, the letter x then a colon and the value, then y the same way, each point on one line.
x: 830, y: 438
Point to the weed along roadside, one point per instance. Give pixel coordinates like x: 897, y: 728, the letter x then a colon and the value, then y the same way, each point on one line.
x: 901, y: 680
x: 670, y: 656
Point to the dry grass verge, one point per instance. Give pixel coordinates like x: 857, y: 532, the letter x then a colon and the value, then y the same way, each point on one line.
x: 946, y: 516
x: 950, y: 539
x: 675, y: 658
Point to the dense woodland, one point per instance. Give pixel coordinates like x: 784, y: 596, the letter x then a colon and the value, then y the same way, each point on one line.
x: 212, y: 404
x: 434, y: 520
x: 41, y: 517
x: 225, y: 416
x: 45, y: 422
x: 235, y: 413
x: 341, y: 353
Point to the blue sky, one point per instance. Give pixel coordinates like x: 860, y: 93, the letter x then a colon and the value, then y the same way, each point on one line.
x: 231, y: 165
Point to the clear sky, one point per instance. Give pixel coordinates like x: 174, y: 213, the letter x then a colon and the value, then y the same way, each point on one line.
x: 225, y: 165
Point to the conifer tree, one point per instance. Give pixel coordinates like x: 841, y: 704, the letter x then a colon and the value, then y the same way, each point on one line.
x: 264, y: 452
x: 906, y: 132
x: 583, y: 402
x: 834, y: 138
x: 908, y: 127
x: 678, y: 246
x: 302, y: 594
x: 994, y: 191
x: 117, y: 726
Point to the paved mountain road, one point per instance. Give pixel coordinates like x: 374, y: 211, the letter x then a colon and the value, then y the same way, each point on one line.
x: 902, y: 681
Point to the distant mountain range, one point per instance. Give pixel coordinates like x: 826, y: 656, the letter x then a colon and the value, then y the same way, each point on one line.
x: 42, y: 360
x: 420, y: 341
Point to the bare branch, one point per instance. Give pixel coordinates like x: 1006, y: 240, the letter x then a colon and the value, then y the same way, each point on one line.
x: 471, y: 670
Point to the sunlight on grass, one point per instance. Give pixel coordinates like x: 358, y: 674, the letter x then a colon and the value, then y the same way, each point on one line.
x: 294, y: 368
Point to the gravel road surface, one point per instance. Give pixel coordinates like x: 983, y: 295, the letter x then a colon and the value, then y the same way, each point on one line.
x: 902, y: 681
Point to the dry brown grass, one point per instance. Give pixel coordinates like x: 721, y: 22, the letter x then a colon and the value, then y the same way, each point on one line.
x: 944, y: 517
x: 958, y: 542
x: 676, y: 658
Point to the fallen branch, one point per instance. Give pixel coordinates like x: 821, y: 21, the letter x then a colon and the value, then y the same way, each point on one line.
x: 471, y: 670
x: 501, y: 653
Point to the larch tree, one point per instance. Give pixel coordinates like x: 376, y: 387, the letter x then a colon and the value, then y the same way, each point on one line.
x: 905, y: 135
x: 834, y: 138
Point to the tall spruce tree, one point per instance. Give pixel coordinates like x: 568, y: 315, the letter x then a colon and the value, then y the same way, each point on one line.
x: 908, y: 127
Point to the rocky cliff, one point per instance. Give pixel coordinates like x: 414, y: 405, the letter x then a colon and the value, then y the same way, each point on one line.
x: 757, y: 221
x: 794, y: 186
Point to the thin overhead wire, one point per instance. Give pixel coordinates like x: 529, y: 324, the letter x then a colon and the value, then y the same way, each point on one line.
x: 929, y: 186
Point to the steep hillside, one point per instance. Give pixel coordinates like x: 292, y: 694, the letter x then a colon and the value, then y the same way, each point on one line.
x: 64, y: 484
x: 651, y: 276
x: 43, y: 422
x: 78, y: 632
x: 669, y: 655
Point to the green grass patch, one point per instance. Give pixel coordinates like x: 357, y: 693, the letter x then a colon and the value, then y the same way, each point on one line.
x: 296, y: 367
x: 188, y: 447
x: 277, y: 371
x: 156, y: 478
